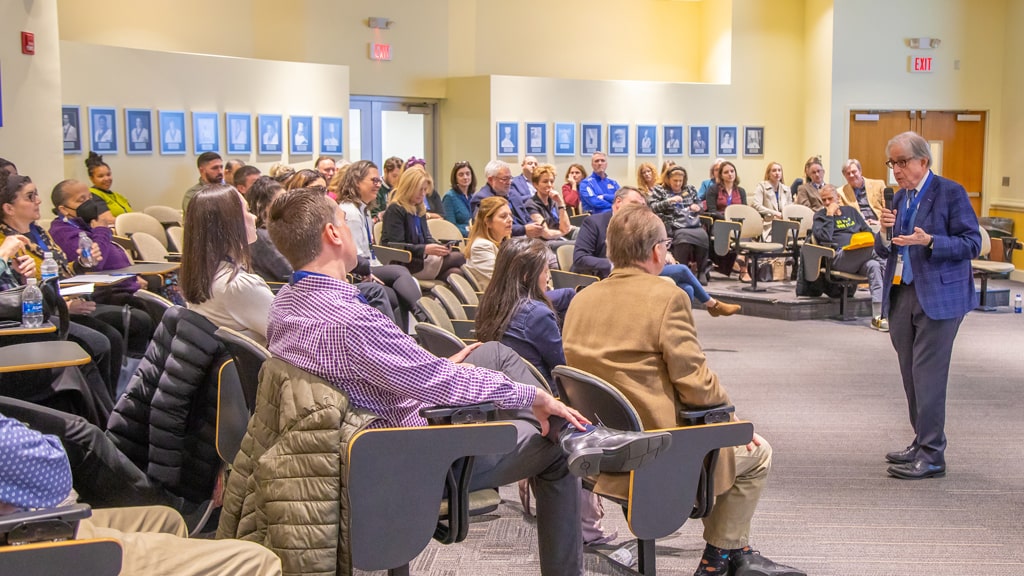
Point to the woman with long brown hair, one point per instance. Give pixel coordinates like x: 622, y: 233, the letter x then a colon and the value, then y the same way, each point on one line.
x: 215, y: 263
x: 357, y: 190
x: 493, y: 224
x: 727, y: 191
x: 571, y: 189
x: 518, y: 311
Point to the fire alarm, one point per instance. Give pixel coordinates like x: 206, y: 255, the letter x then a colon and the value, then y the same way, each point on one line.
x: 28, y: 43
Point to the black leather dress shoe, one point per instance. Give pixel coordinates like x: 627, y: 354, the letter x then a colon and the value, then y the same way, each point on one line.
x: 917, y: 470
x: 904, y: 456
x: 756, y: 565
x: 602, y: 449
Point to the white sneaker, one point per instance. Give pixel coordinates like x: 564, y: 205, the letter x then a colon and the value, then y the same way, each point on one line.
x: 880, y: 324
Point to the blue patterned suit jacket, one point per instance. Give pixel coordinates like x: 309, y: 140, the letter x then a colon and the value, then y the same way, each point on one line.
x: 942, y: 276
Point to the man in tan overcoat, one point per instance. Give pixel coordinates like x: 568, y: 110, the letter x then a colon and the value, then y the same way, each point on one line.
x: 646, y: 346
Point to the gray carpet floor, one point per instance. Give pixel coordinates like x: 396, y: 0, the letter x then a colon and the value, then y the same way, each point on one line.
x: 827, y: 396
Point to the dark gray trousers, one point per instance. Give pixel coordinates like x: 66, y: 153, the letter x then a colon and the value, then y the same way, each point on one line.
x: 924, y: 347
x: 559, y: 531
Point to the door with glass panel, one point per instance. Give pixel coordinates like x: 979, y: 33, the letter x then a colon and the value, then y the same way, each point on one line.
x: 380, y: 128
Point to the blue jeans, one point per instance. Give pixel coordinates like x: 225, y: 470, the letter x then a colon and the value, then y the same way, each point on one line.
x: 684, y: 278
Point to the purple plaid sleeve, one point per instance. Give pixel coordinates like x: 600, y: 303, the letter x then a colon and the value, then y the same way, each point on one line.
x: 34, y: 470
x: 319, y: 325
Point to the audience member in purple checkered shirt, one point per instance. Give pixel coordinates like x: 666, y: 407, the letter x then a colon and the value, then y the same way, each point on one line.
x: 320, y: 324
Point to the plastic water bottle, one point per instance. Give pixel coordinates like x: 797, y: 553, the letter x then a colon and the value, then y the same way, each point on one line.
x: 49, y: 269
x: 31, y: 305
x: 85, y: 245
x: 1017, y: 305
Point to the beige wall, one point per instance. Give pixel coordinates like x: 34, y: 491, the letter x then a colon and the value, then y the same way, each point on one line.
x: 584, y: 39
x: 815, y: 86
x: 320, y: 31
x: 465, y: 127
x: 764, y: 54
x: 190, y: 82
x: 31, y: 134
x: 870, y: 66
x: 1011, y: 153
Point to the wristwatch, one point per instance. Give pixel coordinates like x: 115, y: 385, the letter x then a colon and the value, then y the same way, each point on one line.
x: 931, y: 242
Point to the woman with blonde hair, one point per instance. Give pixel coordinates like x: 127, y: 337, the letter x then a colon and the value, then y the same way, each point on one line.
x: 405, y: 224
x: 492, y: 225
x: 771, y: 196
x: 646, y: 178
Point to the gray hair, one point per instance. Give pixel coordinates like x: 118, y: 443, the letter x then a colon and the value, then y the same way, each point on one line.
x: 851, y: 162
x: 493, y: 167
x: 913, y: 141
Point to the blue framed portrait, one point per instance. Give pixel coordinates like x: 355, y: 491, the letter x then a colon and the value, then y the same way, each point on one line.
x: 618, y: 139
x: 590, y: 138
x: 727, y: 141
x: 269, y: 130
x: 103, y: 130
x: 700, y: 141
x: 673, y: 138
x: 646, y: 140
x: 138, y: 127
x: 331, y: 139
x: 537, y: 138
x: 508, y: 138
x: 239, y: 132
x: 753, y: 140
x: 301, y: 135
x: 172, y: 132
x: 206, y: 132
x: 565, y: 138
x: 71, y: 129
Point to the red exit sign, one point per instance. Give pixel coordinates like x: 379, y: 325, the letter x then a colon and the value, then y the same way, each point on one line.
x: 380, y: 51
x: 922, y: 64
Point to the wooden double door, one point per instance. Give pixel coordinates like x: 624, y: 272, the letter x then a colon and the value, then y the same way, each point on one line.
x: 957, y: 140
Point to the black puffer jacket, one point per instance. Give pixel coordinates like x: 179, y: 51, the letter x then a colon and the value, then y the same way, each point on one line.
x: 165, y: 421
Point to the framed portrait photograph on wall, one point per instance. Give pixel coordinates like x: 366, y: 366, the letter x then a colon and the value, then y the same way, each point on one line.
x: 537, y: 138
x: 301, y: 135
x: 618, y: 139
x: 71, y: 128
x: 206, y: 132
x: 508, y: 138
x: 700, y: 140
x: 565, y: 138
x: 646, y: 140
x: 172, y: 132
x: 330, y: 136
x: 673, y: 137
x: 727, y: 140
x: 103, y: 130
x: 753, y: 140
x: 269, y: 128
x: 590, y: 138
x: 138, y: 123
x: 239, y: 132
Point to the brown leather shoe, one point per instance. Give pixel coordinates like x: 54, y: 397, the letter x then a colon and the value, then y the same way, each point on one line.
x: 722, y: 309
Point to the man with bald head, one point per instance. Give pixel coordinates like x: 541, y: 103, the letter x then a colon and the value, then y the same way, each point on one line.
x: 597, y: 191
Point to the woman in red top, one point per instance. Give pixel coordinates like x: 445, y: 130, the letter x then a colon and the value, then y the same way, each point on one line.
x: 727, y: 191
x: 570, y: 190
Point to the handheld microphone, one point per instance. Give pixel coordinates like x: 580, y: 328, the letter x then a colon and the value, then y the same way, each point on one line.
x: 888, y: 192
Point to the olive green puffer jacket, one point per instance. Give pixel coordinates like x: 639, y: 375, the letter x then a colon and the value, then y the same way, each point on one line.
x: 286, y: 489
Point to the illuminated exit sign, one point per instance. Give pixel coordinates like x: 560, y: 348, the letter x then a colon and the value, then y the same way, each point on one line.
x: 923, y: 64
x: 380, y: 51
